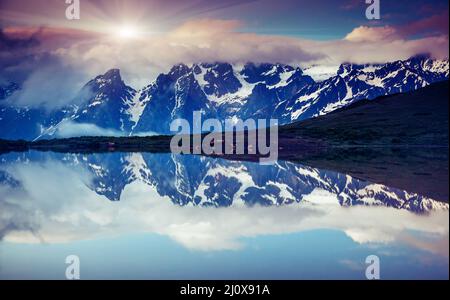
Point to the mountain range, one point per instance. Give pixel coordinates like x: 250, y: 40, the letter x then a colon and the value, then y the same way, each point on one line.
x: 398, y: 141
x: 219, y: 90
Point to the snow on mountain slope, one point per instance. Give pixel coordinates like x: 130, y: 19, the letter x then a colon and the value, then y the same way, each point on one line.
x: 285, y: 93
x: 111, y: 101
x: 109, y: 107
x: 356, y: 82
x: 214, y: 84
x: 219, y: 90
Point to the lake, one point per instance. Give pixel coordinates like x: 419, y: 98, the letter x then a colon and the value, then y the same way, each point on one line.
x: 165, y: 216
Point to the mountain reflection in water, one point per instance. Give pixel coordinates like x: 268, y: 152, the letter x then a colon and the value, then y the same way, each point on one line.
x: 203, y: 181
x: 63, y: 198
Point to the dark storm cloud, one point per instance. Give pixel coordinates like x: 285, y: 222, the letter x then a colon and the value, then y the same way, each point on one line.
x: 8, y: 43
x: 14, y: 52
x: 44, y: 78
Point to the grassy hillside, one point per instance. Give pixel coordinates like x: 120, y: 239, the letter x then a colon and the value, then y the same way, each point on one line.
x: 414, y: 118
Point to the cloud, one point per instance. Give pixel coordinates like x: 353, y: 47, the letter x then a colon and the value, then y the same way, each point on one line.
x: 205, y: 27
x: 196, y: 41
x: 28, y: 57
x: 12, y: 43
x: 207, y: 40
x: 62, y: 60
x: 380, y: 44
x: 52, y: 85
x: 435, y: 25
x: 352, y: 4
x: 354, y: 265
x: 372, y: 34
x: 381, y: 51
x: 69, y: 129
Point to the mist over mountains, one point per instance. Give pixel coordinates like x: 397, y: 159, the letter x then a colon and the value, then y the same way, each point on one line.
x: 106, y: 105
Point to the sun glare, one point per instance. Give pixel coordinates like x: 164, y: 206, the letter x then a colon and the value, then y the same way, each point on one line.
x: 127, y: 32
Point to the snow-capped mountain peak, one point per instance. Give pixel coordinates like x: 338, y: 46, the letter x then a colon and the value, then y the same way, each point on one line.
x: 223, y: 90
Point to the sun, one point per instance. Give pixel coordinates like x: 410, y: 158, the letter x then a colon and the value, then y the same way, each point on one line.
x: 127, y: 32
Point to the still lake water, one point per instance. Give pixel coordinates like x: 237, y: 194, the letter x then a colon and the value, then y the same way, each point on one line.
x: 162, y: 216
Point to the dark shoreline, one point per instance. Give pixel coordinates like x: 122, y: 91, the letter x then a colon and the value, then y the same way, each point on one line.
x: 422, y: 169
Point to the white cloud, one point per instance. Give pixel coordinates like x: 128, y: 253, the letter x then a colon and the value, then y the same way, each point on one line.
x: 208, y: 40
x: 142, y: 60
x: 372, y: 34
x: 69, y: 129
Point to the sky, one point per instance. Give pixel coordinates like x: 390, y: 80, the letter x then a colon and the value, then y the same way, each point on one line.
x: 316, y: 254
x: 40, y: 48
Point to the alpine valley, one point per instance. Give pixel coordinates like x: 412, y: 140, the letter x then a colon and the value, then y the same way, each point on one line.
x: 220, y: 90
